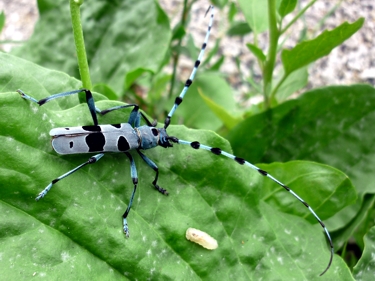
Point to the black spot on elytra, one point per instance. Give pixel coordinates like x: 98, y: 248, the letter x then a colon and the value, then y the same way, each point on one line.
x: 92, y: 128
x: 123, y: 144
x: 95, y: 141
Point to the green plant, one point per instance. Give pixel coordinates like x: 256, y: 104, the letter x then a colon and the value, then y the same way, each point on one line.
x: 75, y: 232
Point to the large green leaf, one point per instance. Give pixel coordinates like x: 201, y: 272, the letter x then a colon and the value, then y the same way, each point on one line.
x: 321, y: 183
x: 121, y: 37
x: 75, y: 231
x: 332, y: 125
x: 357, y: 226
x: 365, y: 268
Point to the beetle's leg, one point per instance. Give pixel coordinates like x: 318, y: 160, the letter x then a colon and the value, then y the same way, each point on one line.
x: 92, y: 160
x: 133, y: 172
x: 156, y: 169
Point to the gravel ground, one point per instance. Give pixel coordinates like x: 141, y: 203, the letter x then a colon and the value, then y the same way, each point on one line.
x: 352, y: 62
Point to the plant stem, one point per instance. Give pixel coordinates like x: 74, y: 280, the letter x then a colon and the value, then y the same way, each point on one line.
x: 272, y: 51
x: 176, y: 55
x: 274, y: 91
x: 300, y: 13
x: 80, y: 46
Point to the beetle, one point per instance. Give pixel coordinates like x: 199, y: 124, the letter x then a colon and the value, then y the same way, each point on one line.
x: 131, y: 136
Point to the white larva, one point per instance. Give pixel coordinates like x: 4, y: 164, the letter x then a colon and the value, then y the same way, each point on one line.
x: 201, y: 238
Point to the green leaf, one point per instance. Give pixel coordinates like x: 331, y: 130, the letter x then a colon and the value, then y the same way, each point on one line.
x: 319, y: 182
x: 309, y: 51
x: 216, y: 66
x: 158, y: 86
x: 131, y: 76
x: 286, y: 7
x: 332, y: 125
x: 232, y: 11
x: 220, y: 111
x: 256, y: 14
x: 190, y: 47
x: 211, y: 52
x: 220, y: 3
x: 238, y: 29
x: 120, y: 37
x: 365, y: 219
x: 256, y: 52
x: 76, y: 229
x: 294, y: 82
x: 178, y: 32
x: 365, y: 268
x: 105, y: 90
x: 341, y: 236
x: 217, y: 90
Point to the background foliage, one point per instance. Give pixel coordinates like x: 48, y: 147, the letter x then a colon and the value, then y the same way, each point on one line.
x: 262, y: 231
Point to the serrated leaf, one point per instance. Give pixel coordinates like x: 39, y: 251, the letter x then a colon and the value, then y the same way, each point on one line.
x: 76, y: 229
x: 120, y: 37
x: 309, y: 51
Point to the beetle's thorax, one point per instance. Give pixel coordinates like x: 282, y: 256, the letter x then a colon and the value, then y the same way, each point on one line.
x: 150, y: 137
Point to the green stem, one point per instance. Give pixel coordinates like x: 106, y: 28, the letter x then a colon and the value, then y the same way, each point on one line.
x: 274, y: 91
x: 176, y: 55
x: 80, y: 45
x: 272, y: 51
x: 300, y: 13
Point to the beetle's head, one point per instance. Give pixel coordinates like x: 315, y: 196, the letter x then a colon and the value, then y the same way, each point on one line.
x: 164, y: 139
